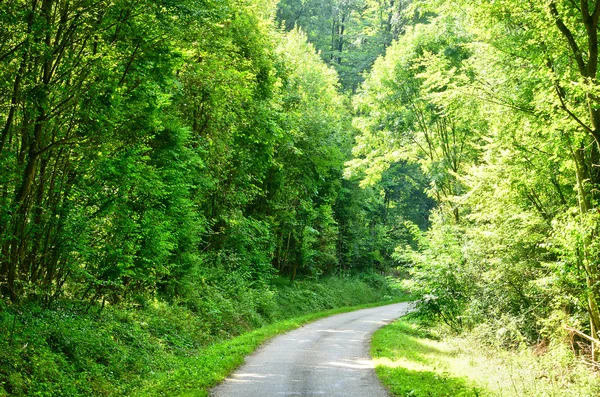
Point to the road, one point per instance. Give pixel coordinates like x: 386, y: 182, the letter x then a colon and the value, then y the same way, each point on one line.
x: 329, y: 357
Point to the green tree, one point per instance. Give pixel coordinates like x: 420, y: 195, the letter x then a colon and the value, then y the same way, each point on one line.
x: 77, y: 79
x: 403, y: 111
x: 304, y: 181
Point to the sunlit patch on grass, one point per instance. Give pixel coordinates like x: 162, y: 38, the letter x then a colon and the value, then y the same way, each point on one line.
x: 413, y: 363
x: 400, y: 363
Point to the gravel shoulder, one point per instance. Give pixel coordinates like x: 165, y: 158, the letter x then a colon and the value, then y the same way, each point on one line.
x: 329, y: 357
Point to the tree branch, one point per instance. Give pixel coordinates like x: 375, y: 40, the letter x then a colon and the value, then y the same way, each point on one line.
x: 570, y: 113
x: 569, y: 36
x: 581, y: 334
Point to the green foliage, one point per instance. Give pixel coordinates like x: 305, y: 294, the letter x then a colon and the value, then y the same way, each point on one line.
x: 162, y: 165
x: 404, y: 114
x: 182, y: 157
x: 439, y: 276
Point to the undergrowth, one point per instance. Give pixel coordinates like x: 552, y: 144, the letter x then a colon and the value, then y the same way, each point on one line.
x: 421, y: 362
x: 156, y: 347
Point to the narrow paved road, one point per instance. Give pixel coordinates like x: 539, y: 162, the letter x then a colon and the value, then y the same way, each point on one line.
x: 329, y: 357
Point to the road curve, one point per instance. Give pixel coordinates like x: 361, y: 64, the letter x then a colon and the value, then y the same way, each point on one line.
x: 329, y: 357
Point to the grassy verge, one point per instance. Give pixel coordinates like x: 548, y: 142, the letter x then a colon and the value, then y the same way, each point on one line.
x: 157, y: 347
x: 413, y: 362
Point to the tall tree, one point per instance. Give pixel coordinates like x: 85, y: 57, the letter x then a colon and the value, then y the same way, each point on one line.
x: 404, y: 114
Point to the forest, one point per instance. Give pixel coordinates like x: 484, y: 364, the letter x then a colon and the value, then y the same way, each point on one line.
x: 174, y: 173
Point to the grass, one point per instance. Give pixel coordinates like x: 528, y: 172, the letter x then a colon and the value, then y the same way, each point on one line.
x: 413, y: 363
x: 416, y: 363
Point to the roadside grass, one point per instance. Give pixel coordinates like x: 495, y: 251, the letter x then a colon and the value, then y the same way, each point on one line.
x: 195, y: 375
x: 412, y: 362
x: 418, y: 363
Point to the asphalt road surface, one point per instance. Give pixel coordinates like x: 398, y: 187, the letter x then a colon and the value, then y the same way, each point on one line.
x: 329, y: 357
